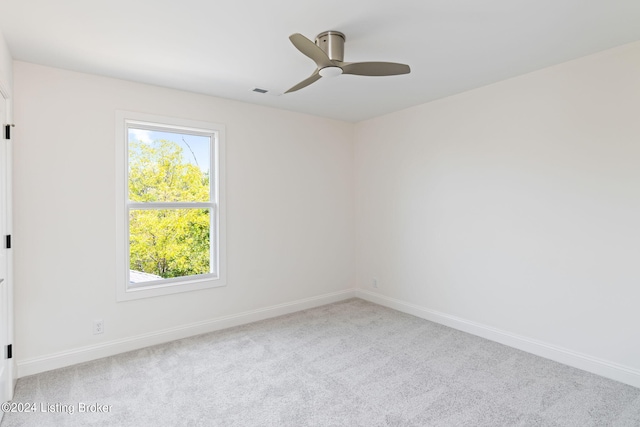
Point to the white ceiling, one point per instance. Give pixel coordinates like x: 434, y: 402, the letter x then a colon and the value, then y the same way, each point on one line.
x: 226, y: 48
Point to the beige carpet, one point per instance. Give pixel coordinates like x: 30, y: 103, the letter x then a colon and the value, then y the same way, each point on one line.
x: 346, y: 364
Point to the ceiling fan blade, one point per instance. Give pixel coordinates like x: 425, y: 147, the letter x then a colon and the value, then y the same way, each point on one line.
x: 311, y: 50
x: 374, y: 68
x: 306, y: 82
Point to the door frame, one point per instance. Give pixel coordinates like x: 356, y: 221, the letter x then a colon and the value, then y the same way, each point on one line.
x: 11, y: 363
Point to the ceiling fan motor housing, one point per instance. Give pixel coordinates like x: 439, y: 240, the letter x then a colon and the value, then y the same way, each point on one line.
x: 332, y: 43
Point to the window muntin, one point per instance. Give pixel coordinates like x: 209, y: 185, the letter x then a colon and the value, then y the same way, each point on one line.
x: 171, y: 223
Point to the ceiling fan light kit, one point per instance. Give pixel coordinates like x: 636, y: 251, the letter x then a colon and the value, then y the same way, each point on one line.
x: 328, y: 54
x: 330, y: 71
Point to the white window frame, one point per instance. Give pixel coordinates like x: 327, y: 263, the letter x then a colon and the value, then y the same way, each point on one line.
x: 216, y: 204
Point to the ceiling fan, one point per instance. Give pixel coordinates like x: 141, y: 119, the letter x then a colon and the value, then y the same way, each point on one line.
x: 328, y: 54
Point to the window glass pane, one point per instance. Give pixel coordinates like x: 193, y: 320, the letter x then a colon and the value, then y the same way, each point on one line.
x: 168, y: 167
x: 166, y: 243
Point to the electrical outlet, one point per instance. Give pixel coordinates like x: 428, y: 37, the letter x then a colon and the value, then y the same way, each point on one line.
x: 98, y: 327
x: 374, y: 282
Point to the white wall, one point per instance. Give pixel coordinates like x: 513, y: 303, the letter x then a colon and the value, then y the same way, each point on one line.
x: 289, y: 210
x: 515, y: 206
x: 6, y: 67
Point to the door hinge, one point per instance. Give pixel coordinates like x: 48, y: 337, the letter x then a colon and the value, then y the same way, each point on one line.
x: 7, y: 131
x: 8, y: 241
x: 10, y: 351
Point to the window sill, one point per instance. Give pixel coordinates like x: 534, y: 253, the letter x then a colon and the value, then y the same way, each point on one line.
x: 134, y: 293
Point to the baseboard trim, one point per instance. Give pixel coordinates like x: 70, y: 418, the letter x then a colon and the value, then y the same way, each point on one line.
x: 572, y: 358
x: 92, y: 352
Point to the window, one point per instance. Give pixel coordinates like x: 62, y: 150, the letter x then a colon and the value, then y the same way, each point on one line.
x: 170, y: 206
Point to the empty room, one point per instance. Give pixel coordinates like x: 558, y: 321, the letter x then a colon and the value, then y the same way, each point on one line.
x: 292, y: 213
